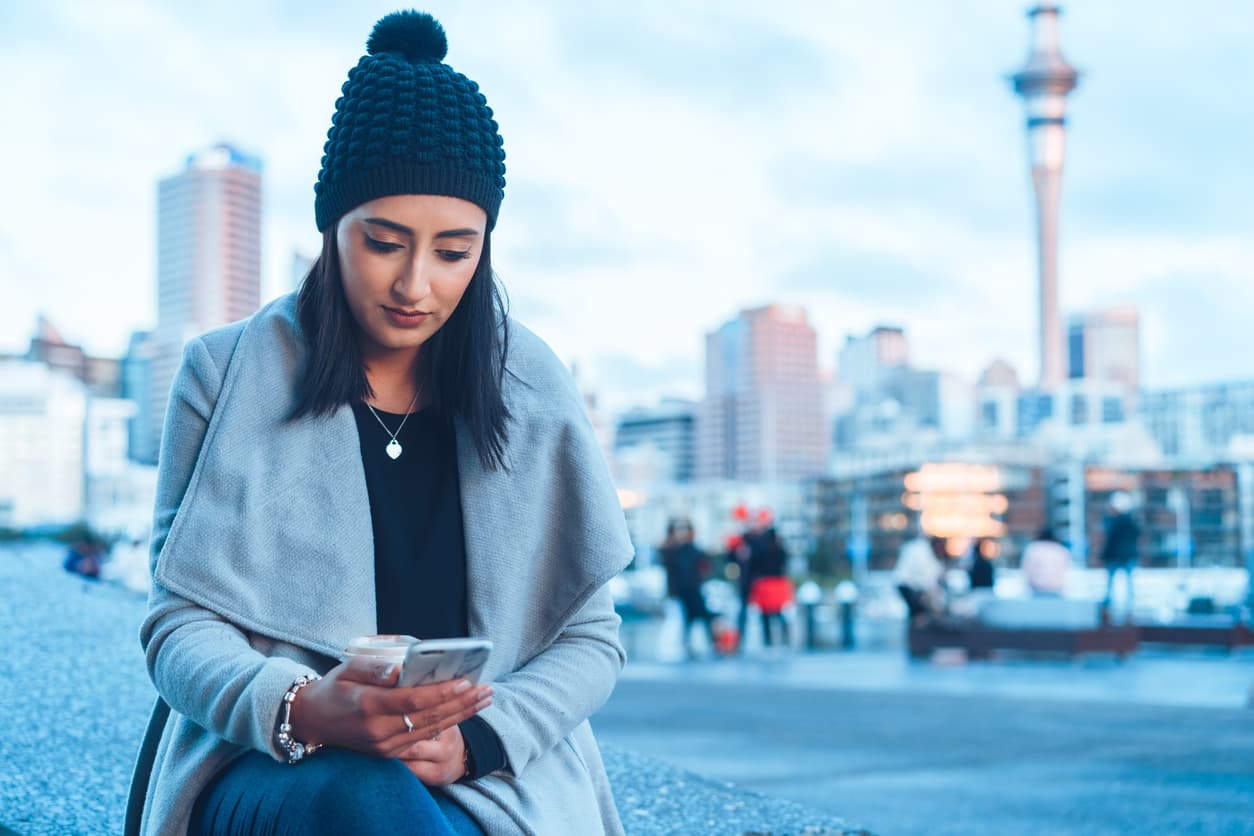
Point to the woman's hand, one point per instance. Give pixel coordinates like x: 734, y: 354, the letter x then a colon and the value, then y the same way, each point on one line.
x: 355, y: 706
x: 438, y: 762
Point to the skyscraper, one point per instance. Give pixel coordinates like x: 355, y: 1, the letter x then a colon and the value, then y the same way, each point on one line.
x: 1105, y: 345
x: 762, y: 417
x: 1044, y: 83
x: 864, y: 361
x: 208, y: 256
x: 137, y: 387
x: 669, y: 428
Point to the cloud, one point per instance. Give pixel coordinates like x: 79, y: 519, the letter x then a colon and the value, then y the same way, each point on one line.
x: 621, y: 380
x: 669, y: 165
x: 882, y: 277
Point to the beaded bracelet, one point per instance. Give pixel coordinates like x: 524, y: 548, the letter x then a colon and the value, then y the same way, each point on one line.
x: 295, y: 749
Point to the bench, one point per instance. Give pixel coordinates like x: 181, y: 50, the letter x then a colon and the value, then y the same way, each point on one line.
x: 981, y: 640
x: 1212, y: 630
x: 1046, y: 625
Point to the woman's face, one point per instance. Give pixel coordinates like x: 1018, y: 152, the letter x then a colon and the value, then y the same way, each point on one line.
x: 405, y: 261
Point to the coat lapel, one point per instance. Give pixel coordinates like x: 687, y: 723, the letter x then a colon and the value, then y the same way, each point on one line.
x: 274, y: 530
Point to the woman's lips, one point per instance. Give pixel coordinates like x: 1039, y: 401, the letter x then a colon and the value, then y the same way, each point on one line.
x: 406, y: 319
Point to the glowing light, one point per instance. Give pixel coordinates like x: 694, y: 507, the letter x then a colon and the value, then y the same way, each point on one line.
x: 958, y: 501
x: 628, y: 499
x: 954, y: 477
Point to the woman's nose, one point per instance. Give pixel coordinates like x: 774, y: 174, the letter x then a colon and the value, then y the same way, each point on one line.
x: 415, y: 282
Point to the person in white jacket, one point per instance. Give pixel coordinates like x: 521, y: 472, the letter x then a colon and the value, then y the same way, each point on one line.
x: 1045, y: 563
x: 919, y: 576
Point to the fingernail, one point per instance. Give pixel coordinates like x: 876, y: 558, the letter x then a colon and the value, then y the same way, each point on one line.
x: 461, y: 687
x: 388, y: 671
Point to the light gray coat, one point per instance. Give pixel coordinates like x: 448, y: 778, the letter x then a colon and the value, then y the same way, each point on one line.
x: 263, y: 569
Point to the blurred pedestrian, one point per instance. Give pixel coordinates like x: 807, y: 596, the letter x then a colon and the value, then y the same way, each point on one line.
x: 1045, y: 563
x: 741, y: 553
x: 982, y: 572
x: 919, y: 577
x: 85, y: 556
x: 1119, y: 551
x: 770, y: 588
x: 687, y: 569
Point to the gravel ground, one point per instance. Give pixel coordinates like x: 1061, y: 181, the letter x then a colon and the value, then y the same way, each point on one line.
x: 74, y: 699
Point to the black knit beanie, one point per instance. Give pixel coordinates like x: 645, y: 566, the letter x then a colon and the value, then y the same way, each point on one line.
x: 409, y: 124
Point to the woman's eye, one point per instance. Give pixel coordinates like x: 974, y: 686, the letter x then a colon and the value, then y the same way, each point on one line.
x: 453, y: 255
x: 381, y: 246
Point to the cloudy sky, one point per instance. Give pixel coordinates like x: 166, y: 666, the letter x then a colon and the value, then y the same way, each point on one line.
x: 670, y: 163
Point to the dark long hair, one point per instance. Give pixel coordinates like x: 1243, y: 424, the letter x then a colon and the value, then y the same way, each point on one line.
x: 466, y: 356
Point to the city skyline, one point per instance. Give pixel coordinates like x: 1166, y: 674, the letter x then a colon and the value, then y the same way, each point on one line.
x: 865, y: 163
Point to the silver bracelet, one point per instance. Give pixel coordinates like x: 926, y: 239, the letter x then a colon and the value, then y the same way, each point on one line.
x: 295, y: 749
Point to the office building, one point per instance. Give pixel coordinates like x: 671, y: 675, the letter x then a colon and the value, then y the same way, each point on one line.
x: 208, y: 257
x: 670, y: 429
x: 762, y: 417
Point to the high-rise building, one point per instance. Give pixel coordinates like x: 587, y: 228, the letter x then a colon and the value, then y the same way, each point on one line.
x: 208, y: 256
x: 301, y: 265
x: 137, y: 387
x: 762, y: 417
x: 997, y: 402
x: 1200, y: 423
x: 863, y: 361
x: 1106, y: 346
x: 1044, y: 83
x: 669, y: 428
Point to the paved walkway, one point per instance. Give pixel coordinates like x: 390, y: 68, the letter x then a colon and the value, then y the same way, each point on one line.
x: 956, y: 751
x: 1165, y: 677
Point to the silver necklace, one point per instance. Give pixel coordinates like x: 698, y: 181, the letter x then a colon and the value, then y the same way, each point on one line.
x: 394, y: 448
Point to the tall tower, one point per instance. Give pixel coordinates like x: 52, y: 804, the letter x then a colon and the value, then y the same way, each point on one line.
x: 1044, y: 83
x: 208, y: 257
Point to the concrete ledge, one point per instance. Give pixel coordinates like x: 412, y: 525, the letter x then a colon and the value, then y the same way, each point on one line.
x: 76, y: 698
x: 657, y: 799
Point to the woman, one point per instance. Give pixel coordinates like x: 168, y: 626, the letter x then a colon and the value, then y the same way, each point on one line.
x: 770, y: 589
x: 386, y: 453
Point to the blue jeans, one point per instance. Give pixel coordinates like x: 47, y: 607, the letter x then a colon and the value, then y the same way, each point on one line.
x: 1112, y: 570
x: 334, y: 792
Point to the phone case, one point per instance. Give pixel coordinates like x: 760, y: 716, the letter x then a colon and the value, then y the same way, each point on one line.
x: 440, y: 660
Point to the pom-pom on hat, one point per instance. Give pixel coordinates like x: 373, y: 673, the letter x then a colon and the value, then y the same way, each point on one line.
x: 407, y: 123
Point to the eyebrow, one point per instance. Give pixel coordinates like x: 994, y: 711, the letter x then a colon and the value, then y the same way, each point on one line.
x: 448, y: 233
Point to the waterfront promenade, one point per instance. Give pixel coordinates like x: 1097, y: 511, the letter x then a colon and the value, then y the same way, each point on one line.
x: 803, y: 744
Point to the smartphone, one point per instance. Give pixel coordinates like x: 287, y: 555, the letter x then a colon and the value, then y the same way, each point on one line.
x: 439, y: 660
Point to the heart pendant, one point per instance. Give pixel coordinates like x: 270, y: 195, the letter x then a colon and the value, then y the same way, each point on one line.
x: 394, y: 449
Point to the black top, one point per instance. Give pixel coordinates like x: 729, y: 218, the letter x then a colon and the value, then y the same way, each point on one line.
x: 419, y: 547
x: 1122, y: 534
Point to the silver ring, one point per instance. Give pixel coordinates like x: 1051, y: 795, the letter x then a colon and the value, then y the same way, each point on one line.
x: 409, y: 724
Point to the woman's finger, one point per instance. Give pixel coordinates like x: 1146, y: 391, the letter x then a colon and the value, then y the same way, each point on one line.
x: 427, y: 725
x: 419, y: 697
x: 437, y: 718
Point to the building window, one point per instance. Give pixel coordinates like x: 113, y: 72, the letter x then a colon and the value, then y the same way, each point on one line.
x: 1079, y: 410
x: 1112, y: 410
